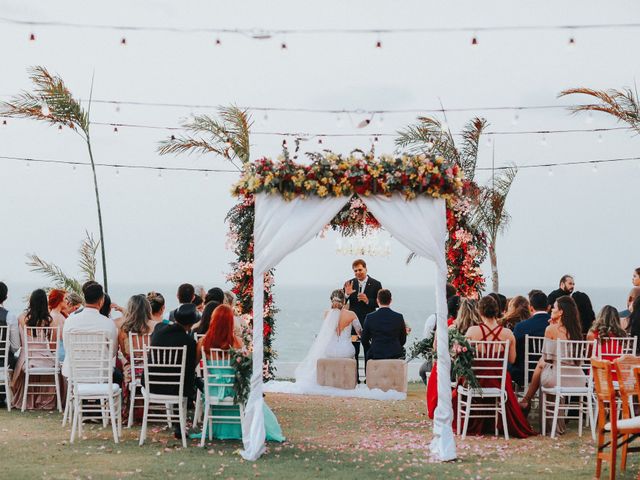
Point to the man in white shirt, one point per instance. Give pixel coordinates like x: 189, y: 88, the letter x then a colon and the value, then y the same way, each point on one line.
x: 10, y: 320
x: 90, y: 320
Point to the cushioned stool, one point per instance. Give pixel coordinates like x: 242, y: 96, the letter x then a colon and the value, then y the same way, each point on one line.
x: 337, y: 372
x: 387, y: 375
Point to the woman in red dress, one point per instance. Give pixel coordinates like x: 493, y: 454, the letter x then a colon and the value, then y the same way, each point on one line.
x: 606, y: 326
x: 491, y: 330
x: 467, y: 317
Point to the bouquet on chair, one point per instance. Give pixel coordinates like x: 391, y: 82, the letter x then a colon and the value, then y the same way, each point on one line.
x: 460, y: 350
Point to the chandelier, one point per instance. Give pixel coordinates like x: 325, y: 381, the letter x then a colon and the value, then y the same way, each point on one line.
x: 369, y: 245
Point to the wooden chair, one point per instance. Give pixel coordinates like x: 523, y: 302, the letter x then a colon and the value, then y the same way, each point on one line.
x: 220, y: 374
x: 41, y: 346
x: 489, y: 364
x: 572, y: 362
x: 91, y: 358
x: 628, y: 428
x: 137, y: 342
x: 629, y: 389
x: 5, y: 371
x: 164, y: 370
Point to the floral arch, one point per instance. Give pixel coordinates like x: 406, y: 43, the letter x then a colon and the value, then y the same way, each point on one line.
x: 340, y: 179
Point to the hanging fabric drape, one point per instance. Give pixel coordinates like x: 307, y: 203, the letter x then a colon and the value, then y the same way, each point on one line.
x: 421, y: 225
x: 281, y: 226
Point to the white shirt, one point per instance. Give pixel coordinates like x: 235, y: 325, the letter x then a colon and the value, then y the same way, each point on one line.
x: 88, y: 320
x: 14, y: 331
x: 429, y: 326
x: 362, y: 284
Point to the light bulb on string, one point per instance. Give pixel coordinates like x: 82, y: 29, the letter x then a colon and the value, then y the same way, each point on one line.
x: 159, y: 173
x: 265, y: 117
x: 117, y: 108
x: 543, y: 141
x: 117, y: 171
x: 4, y: 122
x: 320, y: 141
x: 474, y: 40
x: 572, y: 43
x: 73, y: 167
x: 489, y: 141
x: 550, y: 172
x: 115, y: 129
x: 600, y: 138
x: 206, y: 175
x: 594, y: 169
x: 32, y: 37
x: 378, y: 43
x: 380, y: 119
x: 589, y: 118
x: 218, y: 42
x: 515, y: 119
x: 59, y: 128
x: 123, y: 41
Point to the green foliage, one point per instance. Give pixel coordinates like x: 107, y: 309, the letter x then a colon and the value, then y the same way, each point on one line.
x: 490, y: 214
x: 227, y: 136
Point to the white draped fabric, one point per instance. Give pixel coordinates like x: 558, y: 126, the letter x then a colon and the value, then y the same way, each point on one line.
x: 280, y: 227
x: 283, y: 226
x: 421, y: 225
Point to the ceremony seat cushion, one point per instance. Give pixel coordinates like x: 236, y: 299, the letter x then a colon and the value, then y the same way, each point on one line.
x: 337, y: 372
x: 96, y: 389
x: 387, y: 375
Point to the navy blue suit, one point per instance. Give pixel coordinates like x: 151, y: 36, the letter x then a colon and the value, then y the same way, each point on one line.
x: 384, y: 334
x: 534, y: 326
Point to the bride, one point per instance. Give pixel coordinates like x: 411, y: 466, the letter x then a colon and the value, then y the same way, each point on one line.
x: 333, y: 339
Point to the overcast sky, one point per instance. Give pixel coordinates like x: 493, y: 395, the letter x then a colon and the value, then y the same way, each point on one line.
x: 171, y: 229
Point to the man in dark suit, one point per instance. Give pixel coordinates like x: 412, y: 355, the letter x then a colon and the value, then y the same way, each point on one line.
x: 177, y: 335
x: 533, y: 326
x: 384, y: 332
x: 186, y: 294
x: 567, y: 284
x: 361, y: 292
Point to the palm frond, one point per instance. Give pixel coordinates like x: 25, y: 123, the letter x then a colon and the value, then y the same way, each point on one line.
x: 621, y: 104
x: 228, y: 136
x: 55, y: 273
x: 87, y: 262
x: 490, y: 214
x: 410, y: 258
x: 428, y: 137
x: 470, y: 139
x: 50, y: 91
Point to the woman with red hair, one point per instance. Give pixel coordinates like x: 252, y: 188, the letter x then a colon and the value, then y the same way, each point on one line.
x: 220, y: 335
x: 57, y: 306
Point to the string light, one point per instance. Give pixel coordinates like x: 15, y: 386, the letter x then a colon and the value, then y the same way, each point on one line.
x: 595, y: 168
x: 283, y: 46
x: 543, y: 141
x: 32, y: 37
x: 123, y: 41
x: 218, y: 42
x: 515, y: 120
x: 474, y: 41
x: 550, y: 172
x: 115, y: 129
x: 378, y: 44
x: 572, y: 43
x: 600, y: 138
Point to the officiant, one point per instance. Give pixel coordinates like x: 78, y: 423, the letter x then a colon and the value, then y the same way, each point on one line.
x: 361, y: 292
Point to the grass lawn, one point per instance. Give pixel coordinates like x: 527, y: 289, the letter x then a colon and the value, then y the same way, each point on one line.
x: 326, y: 438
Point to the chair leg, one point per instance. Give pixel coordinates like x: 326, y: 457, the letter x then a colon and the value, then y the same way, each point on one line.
x: 67, y: 405
x: 504, y: 417
x: 593, y: 409
x: 74, y: 423
x: 104, y: 410
x: 556, y: 412
x: 182, y: 406
x: 623, y: 461
x: 112, y: 411
x: 198, y: 409
x: 26, y: 389
x: 169, y: 413
x: 8, y: 392
x: 205, y: 422
x: 543, y: 400
x: 580, y: 410
x: 458, y: 410
x: 132, y: 402
x: 614, y: 452
x: 466, y: 417
x: 56, y: 377
x: 143, y: 430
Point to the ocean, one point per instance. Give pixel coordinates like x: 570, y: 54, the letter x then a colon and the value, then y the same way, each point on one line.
x: 302, y: 307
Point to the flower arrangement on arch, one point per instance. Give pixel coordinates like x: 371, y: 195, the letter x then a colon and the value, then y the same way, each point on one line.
x: 460, y: 350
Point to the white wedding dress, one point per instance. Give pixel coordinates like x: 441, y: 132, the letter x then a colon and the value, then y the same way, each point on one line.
x: 328, y: 344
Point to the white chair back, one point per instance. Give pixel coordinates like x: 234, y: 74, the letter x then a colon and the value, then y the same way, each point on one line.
x: 490, y: 360
x: 90, y: 356
x: 4, y: 348
x: 532, y: 353
x: 39, y: 343
x: 217, y: 369
x: 164, y: 367
x: 137, y: 344
x: 574, y: 360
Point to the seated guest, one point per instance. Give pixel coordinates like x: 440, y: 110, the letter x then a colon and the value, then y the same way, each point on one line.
x: 468, y: 316
x: 10, y: 320
x: 177, y: 335
x: 202, y: 326
x: 37, y: 315
x: 490, y: 330
x: 565, y: 325
x: 517, y: 311
x: 185, y: 295
x: 384, y: 332
x: 585, y: 309
x: 199, y: 303
x: 57, y: 310
x: 239, y: 323
x: 220, y: 335
x: 501, y: 300
x: 625, y: 315
x: 566, y: 286
x: 634, y: 320
x: 607, y: 325
x: 91, y: 320
x: 156, y: 300
x: 535, y: 326
x: 214, y: 294
x: 74, y: 302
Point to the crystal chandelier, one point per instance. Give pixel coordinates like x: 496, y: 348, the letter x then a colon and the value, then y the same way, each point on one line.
x: 369, y: 245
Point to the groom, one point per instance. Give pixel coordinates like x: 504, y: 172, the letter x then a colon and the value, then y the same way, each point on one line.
x: 361, y: 292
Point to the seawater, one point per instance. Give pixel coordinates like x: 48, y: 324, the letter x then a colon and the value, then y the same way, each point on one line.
x: 301, y: 308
